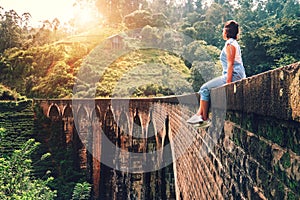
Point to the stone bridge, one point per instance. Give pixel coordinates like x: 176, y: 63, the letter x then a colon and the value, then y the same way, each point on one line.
x: 251, y: 150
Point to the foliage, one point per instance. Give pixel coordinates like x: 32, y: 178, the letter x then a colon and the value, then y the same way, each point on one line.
x: 269, y: 40
x: 16, y: 180
x: 199, y: 51
x: 42, y: 62
x: 22, y: 69
x: 63, y: 159
x: 273, y: 46
x: 2, y: 132
x: 115, y: 10
x: 81, y: 191
x: 206, y: 23
x: 138, y: 19
x: 33, y: 72
x: 269, y: 30
x: 11, y: 32
x: 16, y: 31
x: 7, y: 94
x: 151, y: 90
x: 128, y: 72
x: 141, y: 18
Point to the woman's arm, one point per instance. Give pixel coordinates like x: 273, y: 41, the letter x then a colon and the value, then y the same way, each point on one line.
x: 230, y: 52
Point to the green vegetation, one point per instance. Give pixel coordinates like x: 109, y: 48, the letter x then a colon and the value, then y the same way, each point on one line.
x: 45, y: 62
x: 146, y: 68
x: 268, y: 30
x: 19, y: 177
x: 286, y: 160
x: 81, y: 191
x: 63, y: 162
x: 7, y: 94
x: 16, y: 178
x: 49, y: 164
x: 16, y: 119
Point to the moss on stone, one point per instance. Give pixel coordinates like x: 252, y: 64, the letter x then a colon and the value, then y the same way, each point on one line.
x: 264, y: 177
x: 277, y: 136
x: 280, y: 193
x: 279, y: 173
x: 291, y: 196
x: 293, y: 185
x: 286, y: 160
x: 236, y: 138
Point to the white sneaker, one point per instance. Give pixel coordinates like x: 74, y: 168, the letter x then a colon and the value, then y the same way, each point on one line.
x: 205, y: 124
x: 195, y: 119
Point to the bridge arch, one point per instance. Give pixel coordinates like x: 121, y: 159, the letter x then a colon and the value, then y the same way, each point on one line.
x: 123, y: 130
x: 82, y: 112
x: 53, y: 111
x: 96, y: 128
x: 82, y: 118
x: 67, y: 111
x: 110, y: 125
x: 151, y: 145
x: 95, y: 114
x: 68, y: 121
x: 137, y: 129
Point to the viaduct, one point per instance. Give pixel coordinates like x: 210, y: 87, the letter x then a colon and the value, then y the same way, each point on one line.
x: 251, y: 150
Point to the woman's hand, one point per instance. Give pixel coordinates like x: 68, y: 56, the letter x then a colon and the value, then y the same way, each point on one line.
x: 230, y: 52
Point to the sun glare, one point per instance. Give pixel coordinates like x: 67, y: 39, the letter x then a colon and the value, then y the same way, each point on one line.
x: 80, y: 13
x: 84, y: 16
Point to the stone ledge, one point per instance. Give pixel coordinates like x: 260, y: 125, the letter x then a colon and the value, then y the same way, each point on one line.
x: 275, y: 93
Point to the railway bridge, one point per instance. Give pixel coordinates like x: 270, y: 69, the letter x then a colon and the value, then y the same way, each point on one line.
x: 251, y: 150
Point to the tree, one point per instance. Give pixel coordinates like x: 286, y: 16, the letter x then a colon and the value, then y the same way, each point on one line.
x: 141, y: 18
x: 269, y: 36
x: 81, y: 191
x: 115, y: 10
x: 10, y: 30
x: 291, y: 9
x: 138, y: 19
x: 207, y: 25
x: 16, y: 180
x: 283, y: 42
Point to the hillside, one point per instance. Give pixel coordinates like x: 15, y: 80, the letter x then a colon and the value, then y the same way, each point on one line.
x: 88, y: 62
x: 145, y: 72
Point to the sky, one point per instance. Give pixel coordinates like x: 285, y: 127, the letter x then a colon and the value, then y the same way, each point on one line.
x: 41, y: 9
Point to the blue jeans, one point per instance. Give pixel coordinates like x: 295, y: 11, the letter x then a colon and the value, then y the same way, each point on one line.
x: 216, y: 82
x: 206, y: 87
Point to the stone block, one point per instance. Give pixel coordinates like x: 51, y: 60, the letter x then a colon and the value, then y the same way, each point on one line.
x: 274, y: 93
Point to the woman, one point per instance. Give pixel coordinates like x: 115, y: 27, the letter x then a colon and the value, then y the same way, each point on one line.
x: 233, y: 70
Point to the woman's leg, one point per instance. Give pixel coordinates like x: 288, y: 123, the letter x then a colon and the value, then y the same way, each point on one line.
x: 203, y: 109
x: 205, y: 95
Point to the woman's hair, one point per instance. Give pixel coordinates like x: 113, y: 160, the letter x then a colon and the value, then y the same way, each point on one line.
x: 232, y: 29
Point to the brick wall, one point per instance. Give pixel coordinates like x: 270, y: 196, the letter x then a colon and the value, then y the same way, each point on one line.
x: 256, y: 154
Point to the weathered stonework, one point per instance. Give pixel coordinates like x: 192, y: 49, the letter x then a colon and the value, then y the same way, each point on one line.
x: 251, y: 150
x: 259, y: 146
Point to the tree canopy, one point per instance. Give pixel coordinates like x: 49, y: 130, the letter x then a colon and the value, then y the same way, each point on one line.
x: 43, y: 62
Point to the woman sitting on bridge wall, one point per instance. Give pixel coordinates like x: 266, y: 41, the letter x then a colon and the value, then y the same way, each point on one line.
x: 233, y: 70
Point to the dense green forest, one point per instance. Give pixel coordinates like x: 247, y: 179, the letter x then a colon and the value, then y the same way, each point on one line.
x: 45, y: 61
x: 167, y: 47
